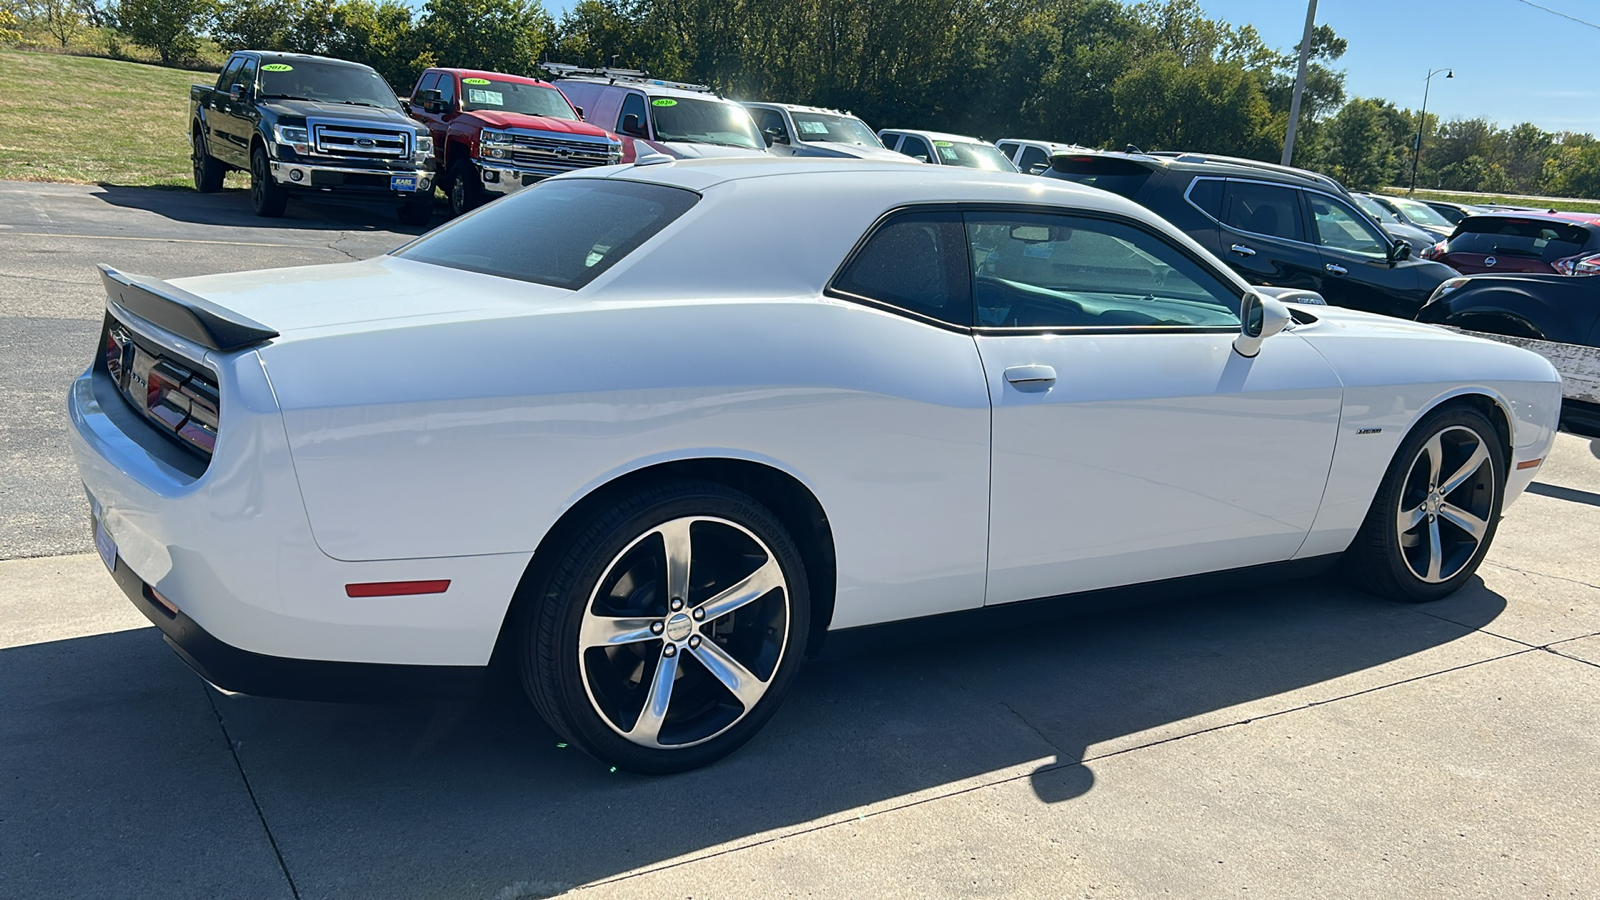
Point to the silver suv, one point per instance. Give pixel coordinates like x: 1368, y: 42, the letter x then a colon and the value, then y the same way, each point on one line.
x: 650, y: 115
x: 792, y: 130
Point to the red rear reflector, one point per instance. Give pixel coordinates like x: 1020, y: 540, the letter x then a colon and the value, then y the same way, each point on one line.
x: 395, y: 588
x: 1530, y: 463
x: 155, y: 597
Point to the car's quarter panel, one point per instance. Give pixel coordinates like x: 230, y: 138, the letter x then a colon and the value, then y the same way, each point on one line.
x: 233, y: 549
x: 1152, y: 456
x: 1394, y: 372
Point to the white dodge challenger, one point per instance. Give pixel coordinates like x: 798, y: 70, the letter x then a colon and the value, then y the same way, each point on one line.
x: 649, y: 433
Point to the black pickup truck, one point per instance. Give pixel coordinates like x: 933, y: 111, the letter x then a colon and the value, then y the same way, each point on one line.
x: 309, y: 123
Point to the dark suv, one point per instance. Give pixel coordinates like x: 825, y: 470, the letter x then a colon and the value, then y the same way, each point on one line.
x: 1273, y: 224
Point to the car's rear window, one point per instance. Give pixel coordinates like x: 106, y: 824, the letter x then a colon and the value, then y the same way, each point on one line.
x: 562, y: 233
x: 1119, y: 176
x: 1510, y: 236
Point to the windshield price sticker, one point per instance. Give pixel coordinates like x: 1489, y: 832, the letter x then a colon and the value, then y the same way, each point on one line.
x: 487, y: 98
x: 474, y: 81
x: 943, y: 144
x: 813, y: 127
x: 664, y: 101
x: 277, y: 67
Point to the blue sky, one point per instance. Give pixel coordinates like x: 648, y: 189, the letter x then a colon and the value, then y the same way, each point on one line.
x: 1513, y: 63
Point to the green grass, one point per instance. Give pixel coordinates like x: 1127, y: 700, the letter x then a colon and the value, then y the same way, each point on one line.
x: 93, y: 121
x: 1586, y: 206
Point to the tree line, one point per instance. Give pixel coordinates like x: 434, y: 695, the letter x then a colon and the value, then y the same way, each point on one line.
x: 1155, y: 75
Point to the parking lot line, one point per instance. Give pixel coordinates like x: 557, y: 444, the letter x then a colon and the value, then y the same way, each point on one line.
x: 124, y: 237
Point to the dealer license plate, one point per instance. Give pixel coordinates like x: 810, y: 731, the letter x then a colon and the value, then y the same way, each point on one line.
x: 104, y: 543
x: 402, y: 182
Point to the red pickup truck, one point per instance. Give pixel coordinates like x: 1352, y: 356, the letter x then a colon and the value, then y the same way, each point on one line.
x: 495, y: 133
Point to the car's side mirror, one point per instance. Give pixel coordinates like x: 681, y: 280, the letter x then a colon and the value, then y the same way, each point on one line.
x: 578, y: 110
x: 775, y: 136
x: 1400, y: 251
x: 238, y: 92
x: 430, y: 100
x: 1263, y: 318
x: 1039, y: 168
x: 632, y: 125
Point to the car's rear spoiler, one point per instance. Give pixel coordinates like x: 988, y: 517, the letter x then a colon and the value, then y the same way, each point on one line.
x: 182, y: 313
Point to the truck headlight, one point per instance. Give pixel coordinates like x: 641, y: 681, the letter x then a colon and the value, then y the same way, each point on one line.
x: 495, y: 144
x: 296, y: 136
x: 424, y: 148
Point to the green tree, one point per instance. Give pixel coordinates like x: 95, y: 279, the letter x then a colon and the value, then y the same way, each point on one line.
x: 168, y: 27
x: 497, y: 35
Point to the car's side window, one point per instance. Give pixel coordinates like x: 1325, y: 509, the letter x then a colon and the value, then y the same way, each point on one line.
x: 1339, y: 227
x: 1206, y: 194
x: 917, y: 262
x: 917, y: 148
x: 447, y: 90
x: 632, y: 105
x: 770, y: 122
x: 1044, y: 270
x: 247, y: 75
x: 1008, y: 148
x: 1031, y: 156
x: 891, y: 141
x: 1263, y: 209
x: 229, y: 76
x: 429, y: 82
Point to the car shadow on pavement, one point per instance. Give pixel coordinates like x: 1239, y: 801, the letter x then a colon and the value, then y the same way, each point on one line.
x: 118, y: 744
x: 231, y: 207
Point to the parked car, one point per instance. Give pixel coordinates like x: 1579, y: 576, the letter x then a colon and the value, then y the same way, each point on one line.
x: 1416, y: 214
x: 628, y: 433
x: 495, y: 133
x: 1551, y: 308
x: 309, y: 123
x: 1273, y: 224
x: 650, y: 115
x: 1031, y: 157
x: 792, y: 130
x: 1521, y: 242
x: 1454, y: 212
x: 1393, y: 225
x: 946, y: 149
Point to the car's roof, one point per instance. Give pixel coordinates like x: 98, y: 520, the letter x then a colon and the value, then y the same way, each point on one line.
x: 497, y: 76
x: 649, y: 89
x: 1210, y: 164
x: 796, y: 107
x: 938, y: 136
x: 1048, y: 145
x: 307, y: 57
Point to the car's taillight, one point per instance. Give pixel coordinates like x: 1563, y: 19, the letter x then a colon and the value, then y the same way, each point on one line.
x: 183, y: 402
x: 1582, y: 264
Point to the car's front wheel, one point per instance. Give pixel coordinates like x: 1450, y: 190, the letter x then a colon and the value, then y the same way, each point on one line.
x: 669, y: 629
x: 466, y: 191
x: 1436, y: 511
x: 267, y: 197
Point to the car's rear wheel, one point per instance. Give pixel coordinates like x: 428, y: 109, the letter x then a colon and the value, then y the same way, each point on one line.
x: 208, y: 170
x: 669, y: 630
x: 1436, y: 512
x: 267, y: 197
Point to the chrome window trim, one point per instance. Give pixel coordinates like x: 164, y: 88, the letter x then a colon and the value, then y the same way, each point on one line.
x: 1272, y: 237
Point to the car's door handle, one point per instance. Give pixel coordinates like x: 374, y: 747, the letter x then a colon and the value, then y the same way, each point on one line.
x: 1031, y: 376
x: 1336, y: 269
x: 1242, y: 250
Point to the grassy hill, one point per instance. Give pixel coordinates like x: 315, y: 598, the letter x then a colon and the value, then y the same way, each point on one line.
x: 93, y: 121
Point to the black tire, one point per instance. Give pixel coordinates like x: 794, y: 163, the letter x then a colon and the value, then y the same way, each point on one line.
x: 613, y: 572
x: 208, y: 170
x: 465, y: 190
x: 1437, y: 554
x: 417, y: 210
x: 267, y: 197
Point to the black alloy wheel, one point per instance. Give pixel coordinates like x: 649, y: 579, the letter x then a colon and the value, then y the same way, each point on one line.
x: 669, y: 630
x: 208, y: 170
x: 267, y: 197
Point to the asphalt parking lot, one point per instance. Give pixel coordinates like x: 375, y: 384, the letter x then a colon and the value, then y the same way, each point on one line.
x: 1300, y: 740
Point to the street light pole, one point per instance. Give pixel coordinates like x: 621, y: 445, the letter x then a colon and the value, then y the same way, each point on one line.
x: 1422, y: 121
x: 1299, y: 82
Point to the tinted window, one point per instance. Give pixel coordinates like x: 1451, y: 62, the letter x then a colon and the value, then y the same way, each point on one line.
x: 562, y: 233
x: 1339, y: 227
x: 247, y: 75
x: 769, y: 121
x: 1206, y: 193
x: 227, y: 79
x: 1518, y: 237
x: 916, y: 262
x: 1263, y: 209
x: 447, y: 89
x: 1033, y: 270
x: 633, y: 105
x: 1032, y: 156
x: 328, y: 82
x: 916, y: 147
x: 429, y: 82
x: 1008, y: 148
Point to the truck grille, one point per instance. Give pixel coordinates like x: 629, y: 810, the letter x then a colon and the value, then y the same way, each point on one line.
x: 176, y: 396
x: 563, y: 154
x: 352, y: 141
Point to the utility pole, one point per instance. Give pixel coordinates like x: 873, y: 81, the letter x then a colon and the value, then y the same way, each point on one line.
x: 1299, y: 82
x: 1422, y: 122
